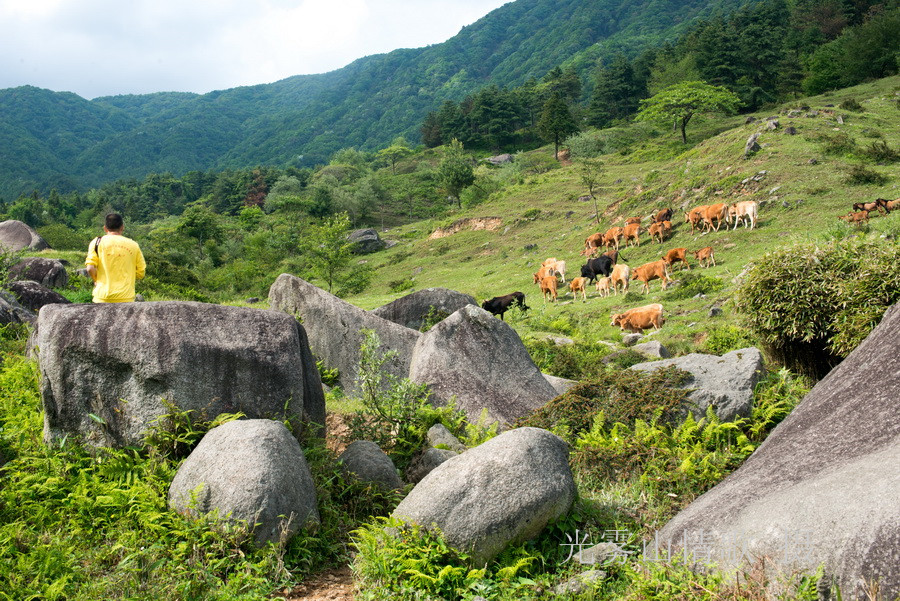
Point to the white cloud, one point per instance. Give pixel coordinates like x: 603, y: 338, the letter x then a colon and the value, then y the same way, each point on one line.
x: 104, y: 47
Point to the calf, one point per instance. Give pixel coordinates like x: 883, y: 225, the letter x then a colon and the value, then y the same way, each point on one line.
x: 705, y: 254
x: 602, y: 265
x: 856, y: 218
x: 501, y: 304
x: 878, y: 204
x: 612, y: 236
x: 544, y: 272
x: 717, y: 212
x: 621, y: 273
x: 676, y: 254
x: 657, y: 232
x: 640, y: 318
x: 558, y: 267
x: 651, y: 271
x: 603, y: 286
x: 592, y: 243
x: 695, y: 216
x: 576, y: 286
x: 548, y: 287
x: 746, y: 209
x: 632, y: 231
x: 663, y: 215
x: 632, y: 220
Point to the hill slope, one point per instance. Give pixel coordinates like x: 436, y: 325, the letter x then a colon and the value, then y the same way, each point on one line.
x: 59, y: 139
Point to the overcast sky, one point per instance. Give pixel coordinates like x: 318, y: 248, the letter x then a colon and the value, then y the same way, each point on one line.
x: 107, y: 47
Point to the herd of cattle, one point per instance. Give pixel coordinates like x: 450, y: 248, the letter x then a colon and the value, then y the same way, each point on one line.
x: 609, y: 275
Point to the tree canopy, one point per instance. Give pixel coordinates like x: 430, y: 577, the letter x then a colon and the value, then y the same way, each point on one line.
x: 680, y: 102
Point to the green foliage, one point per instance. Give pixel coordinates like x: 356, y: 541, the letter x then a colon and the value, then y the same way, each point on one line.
x: 880, y: 152
x: 175, y: 434
x: 692, y: 283
x: 860, y: 175
x: 432, y: 318
x: 819, y: 299
x: 62, y: 237
x: 852, y: 104
x: 679, y: 103
x: 329, y: 251
x: 330, y: 377
x: 724, y: 339
x: 577, y: 361
x: 556, y: 122
x: 455, y: 171
x: 401, y: 285
x: 8, y: 258
x: 838, y: 144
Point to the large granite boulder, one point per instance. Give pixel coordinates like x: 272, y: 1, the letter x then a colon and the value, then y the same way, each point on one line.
x: 334, y: 328
x: 502, y: 492
x: 118, y: 361
x: 825, y: 485
x: 33, y: 295
x: 725, y: 383
x: 16, y: 236
x: 47, y: 272
x: 366, y: 241
x: 11, y: 311
x: 482, y: 362
x: 248, y: 470
x: 411, y: 310
x: 366, y: 460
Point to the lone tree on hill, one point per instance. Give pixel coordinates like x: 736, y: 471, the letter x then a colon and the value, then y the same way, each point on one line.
x: 556, y: 122
x: 680, y: 102
x: 329, y: 249
x: 455, y: 171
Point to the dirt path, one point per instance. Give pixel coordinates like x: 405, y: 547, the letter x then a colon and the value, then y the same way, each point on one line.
x: 332, y: 585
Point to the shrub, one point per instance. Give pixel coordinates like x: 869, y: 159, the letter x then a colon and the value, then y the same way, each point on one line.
x: 576, y: 361
x: 852, y: 104
x: 692, y: 283
x: 397, y: 286
x: 61, y: 237
x: 859, y: 175
x: 880, y: 152
x: 838, y: 144
x: 724, y: 339
x: 811, y: 305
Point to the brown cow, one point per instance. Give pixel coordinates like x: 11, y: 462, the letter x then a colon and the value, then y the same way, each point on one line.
x: 592, y: 243
x: 612, y: 236
x: 548, y: 286
x: 695, y: 216
x: 878, y: 204
x: 890, y: 205
x: 632, y: 220
x: 717, y: 212
x: 657, y: 232
x: 663, y: 215
x: 856, y: 218
x: 640, y: 318
x: 705, y: 254
x: 621, y: 273
x: 651, y: 271
x: 631, y: 232
x: 544, y: 272
x: 676, y: 254
x: 576, y: 286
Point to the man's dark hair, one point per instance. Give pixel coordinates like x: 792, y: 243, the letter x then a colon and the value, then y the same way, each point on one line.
x: 114, y: 222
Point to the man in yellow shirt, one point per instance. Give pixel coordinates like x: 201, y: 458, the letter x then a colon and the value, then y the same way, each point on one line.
x: 114, y: 262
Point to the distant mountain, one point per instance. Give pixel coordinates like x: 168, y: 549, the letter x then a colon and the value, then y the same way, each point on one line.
x: 51, y: 139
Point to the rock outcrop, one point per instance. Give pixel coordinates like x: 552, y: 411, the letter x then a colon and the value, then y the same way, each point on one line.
x: 334, y: 328
x: 16, y: 236
x: 33, y: 295
x: 11, y: 311
x: 116, y: 362
x: 725, y: 383
x: 481, y: 362
x: 366, y: 241
x: 47, y: 272
x: 369, y: 463
x: 501, y: 492
x: 412, y: 310
x: 824, y: 486
x: 252, y: 471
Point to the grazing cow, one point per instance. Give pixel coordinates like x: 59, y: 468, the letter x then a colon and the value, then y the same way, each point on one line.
x: 631, y: 232
x: 640, y: 318
x: 705, y: 254
x: 632, y: 220
x: 878, y: 204
x: 657, y: 232
x: 544, y: 272
x: 602, y: 265
x: 621, y: 274
x: 501, y: 304
x: 856, y: 218
x: 695, y: 216
x: 558, y: 267
x: 663, y: 215
x: 717, y: 212
x: 603, y: 286
x: 676, y: 254
x: 651, y: 271
x: 576, y: 286
x: 548, y: 286
x: 743, y: 210
x: 890, y: 205
x: 612, y: 236
x: 592, y: 243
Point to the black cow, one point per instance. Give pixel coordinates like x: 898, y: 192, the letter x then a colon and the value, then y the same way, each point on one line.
x: 501, y: 304
x: 602, y: 265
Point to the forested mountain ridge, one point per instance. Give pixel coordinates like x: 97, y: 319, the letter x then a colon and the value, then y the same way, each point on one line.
x: 59, y: 140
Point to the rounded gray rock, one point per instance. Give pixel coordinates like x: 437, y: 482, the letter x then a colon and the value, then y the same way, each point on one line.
x: 425, y: 462
x: 47, y: 272
x: 16, y: 236
x: 411, y: 310
x: 251, y: 470
x: 369, y: 463
x: 501, y: 492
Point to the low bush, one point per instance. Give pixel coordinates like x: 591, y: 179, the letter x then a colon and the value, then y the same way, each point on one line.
x: 577, y: 361
x: 860, y: 175
x: 724, y: 339
x: 879, y: 152
x: 692, y: 283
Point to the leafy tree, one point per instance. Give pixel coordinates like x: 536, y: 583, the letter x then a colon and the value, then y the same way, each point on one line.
x: 329, y: 250
x: 590, y: 171
x: 680, y: 102
x: 431, y: 130
x: 456, y: 172
x: 201, y: 224
x: 615, y: 94
x: 398, y: 150
x: 556, y: 122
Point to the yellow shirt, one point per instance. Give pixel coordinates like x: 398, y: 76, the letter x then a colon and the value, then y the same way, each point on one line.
x: 119, y: 263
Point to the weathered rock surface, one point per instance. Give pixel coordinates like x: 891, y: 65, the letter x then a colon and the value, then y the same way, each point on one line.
x: 368, y: 462
x: 334, y: 328
x: 483, y: 363
x: 501, y: 492
x: 439, y: 435
x: 560, y: 385
x: 411, y: 310
x: 726, y: 383
x: 47, y: 272
x: 653, y: 348
x: 117, y: 361
x: 11, y: 311
x: 15, y: 236
x: 366, y: 241
x: 424, y: 463
x: 253, y: 470
x: 824, y: 486
x: 33, y: 295
x: 752, y: 145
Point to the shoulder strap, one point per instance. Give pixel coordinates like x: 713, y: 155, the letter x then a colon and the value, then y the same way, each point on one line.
x: 97, y: 244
